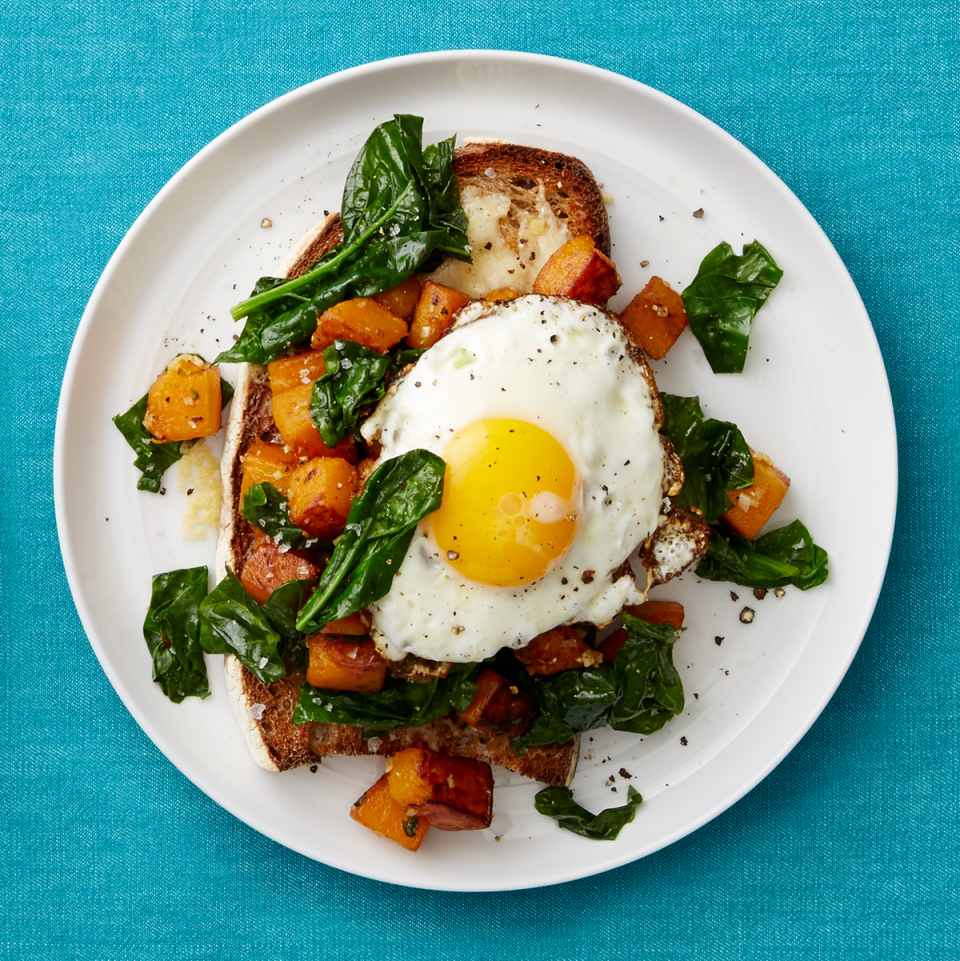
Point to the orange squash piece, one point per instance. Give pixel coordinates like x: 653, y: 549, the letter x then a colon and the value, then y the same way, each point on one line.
x: 401, y: 300
x: 754, y: 506
x: 362, y: 320
x: 266, y: 568
x: 353, y: 625
x: 266, y: 463
x: 339, y: 665
x: 377, y: 810
x: 184, y: 402
x: 578, y: 270
x: 291, y: 413
x: 498, y: 707
x: 559, y: 649
x: 434, y: 314
x: 453, y: 793
x: 656, y: 317
x: 295, y: 370
x: 321, y: 491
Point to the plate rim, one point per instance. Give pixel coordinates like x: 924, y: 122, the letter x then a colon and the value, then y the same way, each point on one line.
x: 345, y: 77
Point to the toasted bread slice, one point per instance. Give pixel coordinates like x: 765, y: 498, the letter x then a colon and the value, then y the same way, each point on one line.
x: 522, y: 203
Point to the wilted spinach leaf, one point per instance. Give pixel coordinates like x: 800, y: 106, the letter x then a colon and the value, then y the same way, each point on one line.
x: 639, y: 692
x: 353, y: 377
x: 558, y: 803
x: 265, y: 507
x: 380, y: 526
x: 715, y: 456
x: 401, y: 704
x: 723, y: 299
x: 232, y: 622
x: 786, y: 556
x: 400, y: 213
x: 172, y: 632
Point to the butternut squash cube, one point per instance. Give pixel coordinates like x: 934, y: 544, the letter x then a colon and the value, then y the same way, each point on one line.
x: 452, y: 793
x: 401, y: 300
x: 498, y: 707
x: 266, y: 463
x: 266, y: 568
x: 434, y: 314
x: 295, y: 370
x: 559, y: 649
x: 754, y: 506
x: 340, y: 665
x: 377, y: 810
x: 291, y: 413
x: 184, y: 402
x: 362, y: 320
x: 579, y: 270
x: 353, y: 625
x: 321, y: 491
x: 656, y: 317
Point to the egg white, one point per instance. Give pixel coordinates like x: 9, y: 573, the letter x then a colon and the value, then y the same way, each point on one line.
x: 566, y: 368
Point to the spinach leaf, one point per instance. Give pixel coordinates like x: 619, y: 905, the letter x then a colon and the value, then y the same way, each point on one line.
x: 265, y: 507
x: 353, y: 377
x: 639, y: 692
x: 715, y: 456
x: 379, y: 529
x: 649, y: 688
x: 402, y: 704
x: 172, y: 632
x: 723, y: 299
x: 400, y: 213
x: 232, y: 622
x: 786, y: 556
x: 558, y: 803
x: 152, y: 458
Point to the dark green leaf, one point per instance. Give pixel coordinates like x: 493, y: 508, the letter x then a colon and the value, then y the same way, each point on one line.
x: 715, y: 456
x: 401, y: 704
x: 380, y: 526
x: 400, y: 213
x: 786, y: 556
x: 639, y: 692
x: 725, y: 297
x: 152, y: 458
x: 232, y: 622
x: 172, y: 632
x: 353, y: 377
x: 265, y: 507
x: 558, y: 803
x: 649, y: 688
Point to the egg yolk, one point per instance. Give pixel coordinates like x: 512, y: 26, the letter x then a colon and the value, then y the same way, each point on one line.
x: 510, y: 501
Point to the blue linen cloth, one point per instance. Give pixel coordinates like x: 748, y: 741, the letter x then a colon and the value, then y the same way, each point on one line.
x: 850, y: 848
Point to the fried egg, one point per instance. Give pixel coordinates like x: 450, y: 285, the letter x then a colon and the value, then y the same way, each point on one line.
x: 547, y: 423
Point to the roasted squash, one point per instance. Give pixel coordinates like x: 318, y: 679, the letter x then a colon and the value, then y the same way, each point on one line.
x: 401, y: 300
x: 499, y: 707
x: 559, y: 649
x: 345, y: 665
x: 291, y: 413
x: 754, y: 506
x: 578, y: 270
x: 656, y: 317
x: 266, y: 463
x: 266, y: 568
x: 452, y: 793
x: 377, y: 810
x: 184, y: 402
x: 295, y: 370
x: 434, y: 313
x: 362, y: 320
x: 320, y: 494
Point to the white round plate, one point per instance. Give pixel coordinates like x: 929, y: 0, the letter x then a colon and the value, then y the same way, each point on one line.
x: 814, y: 396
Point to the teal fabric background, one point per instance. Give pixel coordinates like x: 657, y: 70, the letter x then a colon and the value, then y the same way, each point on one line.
x: 849, y: 849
